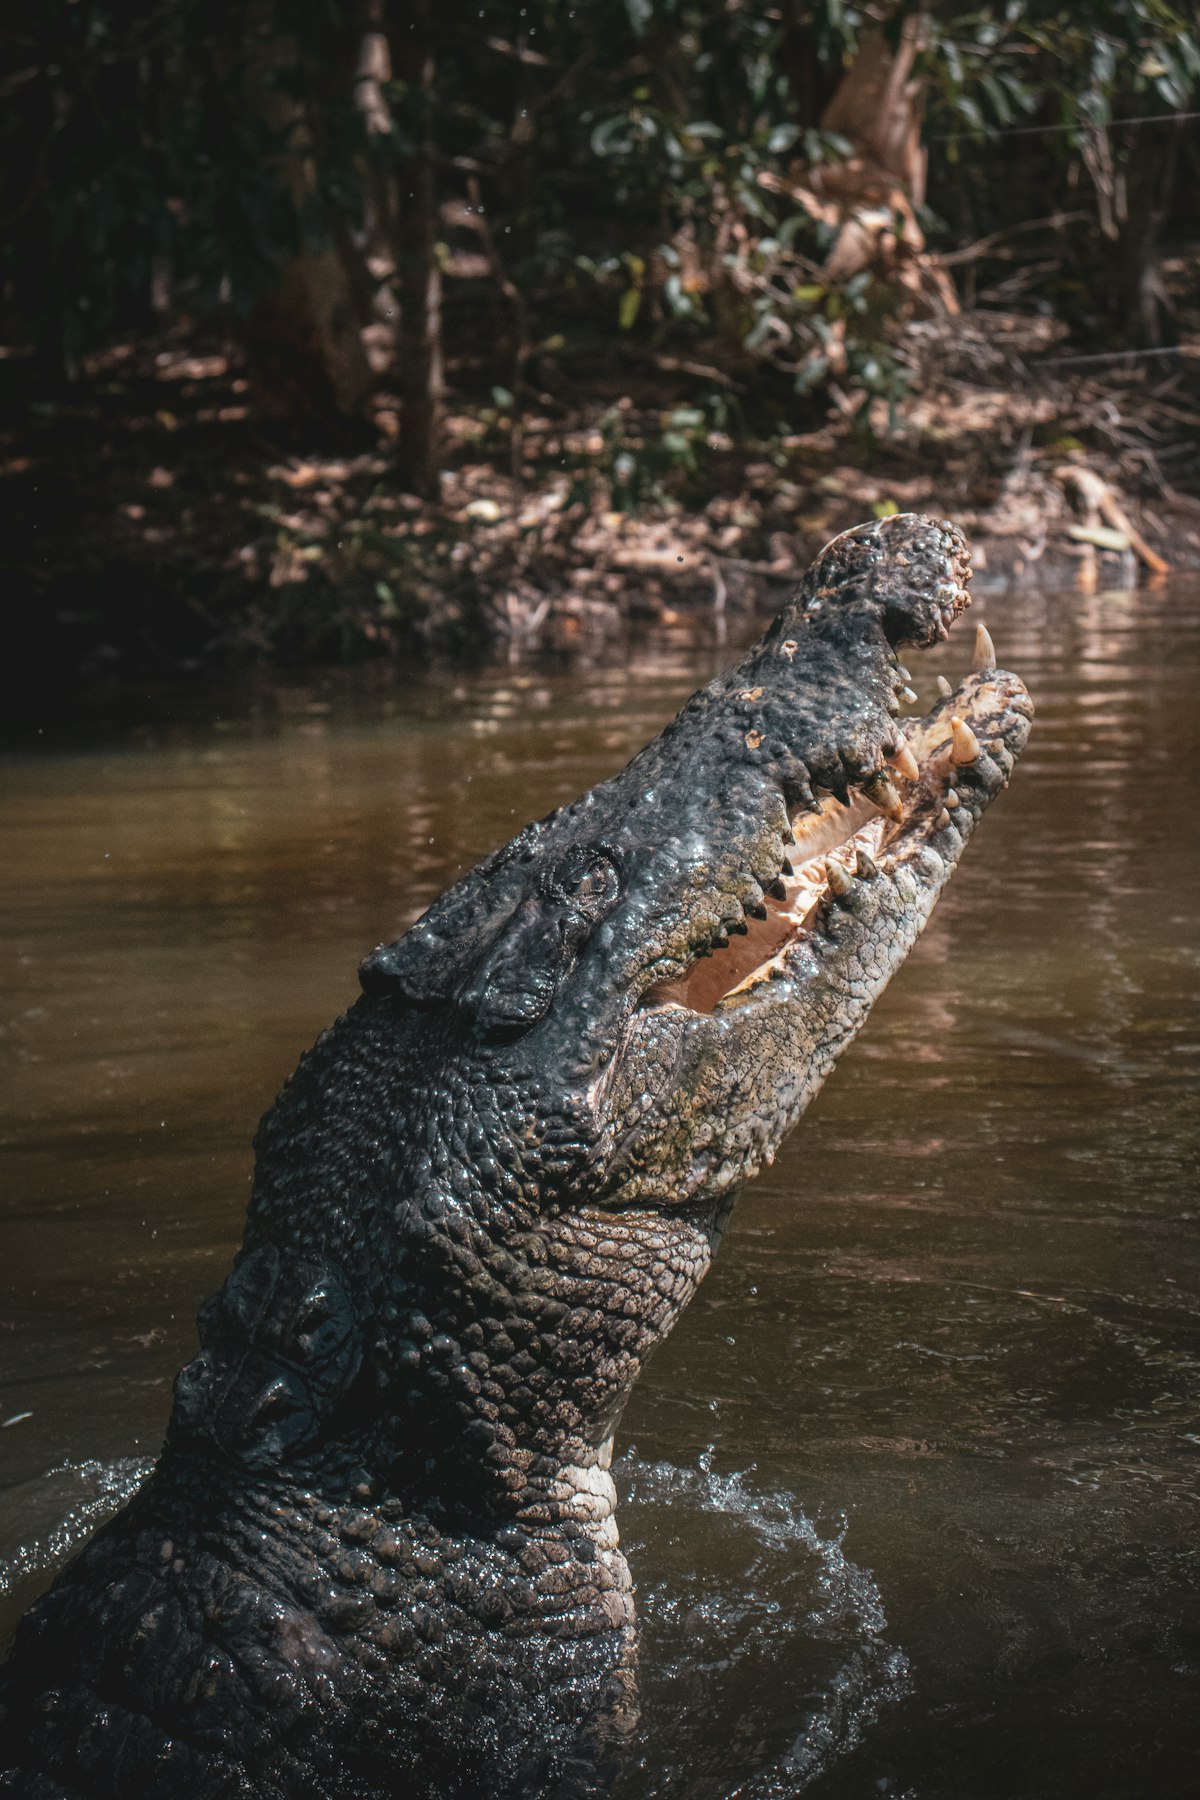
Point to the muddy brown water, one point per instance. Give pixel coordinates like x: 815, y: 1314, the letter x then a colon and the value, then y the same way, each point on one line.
x: 911, y: 1494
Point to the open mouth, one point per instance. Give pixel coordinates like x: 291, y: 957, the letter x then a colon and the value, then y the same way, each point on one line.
x: 913, y: 802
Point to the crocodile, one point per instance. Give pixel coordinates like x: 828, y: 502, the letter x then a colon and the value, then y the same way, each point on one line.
x: 378, y: 1553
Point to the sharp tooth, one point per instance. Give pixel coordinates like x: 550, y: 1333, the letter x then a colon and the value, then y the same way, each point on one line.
x: 881, y: 792
x: 951, y: 799
x: 906, y: 763
x: 739, y: 928
x: 985, y: 651
x: 866, y: 864
x: 838, y: 879
x: 786, y: 867
x: 902, y: 672
x: 944, y: 688
x: 756, y: 912
x: 943, y: 819
x: 777, y: 890
x: 906, y: 693
x: 964, y: 745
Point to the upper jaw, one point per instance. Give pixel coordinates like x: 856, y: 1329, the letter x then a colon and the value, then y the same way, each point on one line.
x: 945, y: 769
x: 859, y: 860
x: 727, y: 1058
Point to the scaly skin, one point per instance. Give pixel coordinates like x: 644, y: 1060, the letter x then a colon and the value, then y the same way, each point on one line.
x: 378, y: 1554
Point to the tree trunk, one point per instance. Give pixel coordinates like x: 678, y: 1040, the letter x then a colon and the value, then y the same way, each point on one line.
x: 381, y: 210
x: 303, y: 341
x: 302, y: 334
x: 811, y: 86
x: 1142, y: 292
x: 419, y: 275
x: 879, y: 106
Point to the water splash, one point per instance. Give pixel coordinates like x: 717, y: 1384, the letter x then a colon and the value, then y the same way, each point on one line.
x: 92, y: 1492
x: 764, y: 1651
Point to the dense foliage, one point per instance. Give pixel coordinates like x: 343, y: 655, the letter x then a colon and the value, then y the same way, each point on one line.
x: 345, y: 325
x: 630, y: 166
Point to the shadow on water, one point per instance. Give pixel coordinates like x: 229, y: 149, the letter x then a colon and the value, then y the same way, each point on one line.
x: 953, y: 1339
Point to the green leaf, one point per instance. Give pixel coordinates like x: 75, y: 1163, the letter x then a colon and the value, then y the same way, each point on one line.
x: 631, y: 301
x: 999, y: 99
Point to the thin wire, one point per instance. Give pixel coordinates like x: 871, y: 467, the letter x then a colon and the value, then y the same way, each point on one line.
x: 1112, y: 356
x: 991, y: 131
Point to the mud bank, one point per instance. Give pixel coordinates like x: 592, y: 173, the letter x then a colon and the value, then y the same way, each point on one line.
x: 155, y: 528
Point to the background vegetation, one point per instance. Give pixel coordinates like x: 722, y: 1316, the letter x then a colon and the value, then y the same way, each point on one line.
x: 347, y: 321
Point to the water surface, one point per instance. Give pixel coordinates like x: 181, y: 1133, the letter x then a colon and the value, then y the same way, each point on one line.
x: 911, y: 1494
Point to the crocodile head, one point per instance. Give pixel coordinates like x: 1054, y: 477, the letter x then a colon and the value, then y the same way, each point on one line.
x: 490, y: 1189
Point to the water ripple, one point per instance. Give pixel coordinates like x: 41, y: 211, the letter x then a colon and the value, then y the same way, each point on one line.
x: 791, y: 1666
x: 98, y: 1488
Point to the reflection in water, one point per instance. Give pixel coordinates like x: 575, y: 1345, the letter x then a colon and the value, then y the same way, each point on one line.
x: 956, y: 1328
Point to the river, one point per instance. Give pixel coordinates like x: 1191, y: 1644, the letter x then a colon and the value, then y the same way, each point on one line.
x: 911, y: 1494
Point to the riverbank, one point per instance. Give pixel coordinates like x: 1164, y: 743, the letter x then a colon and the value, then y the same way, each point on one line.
x: 154, y: 526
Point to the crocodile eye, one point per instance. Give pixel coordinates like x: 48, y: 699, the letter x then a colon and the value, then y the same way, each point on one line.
x: 597, y: 890
x: 587, y: 882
